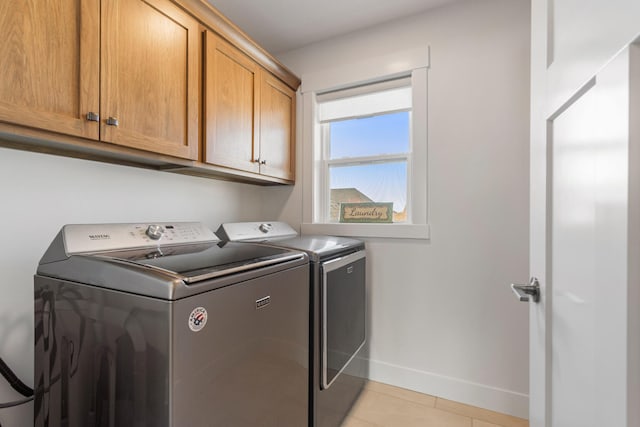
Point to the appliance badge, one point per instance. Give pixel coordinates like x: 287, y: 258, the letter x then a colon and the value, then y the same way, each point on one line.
x: 99, y: 237
x: 263, y: 302
x: 197, y: 319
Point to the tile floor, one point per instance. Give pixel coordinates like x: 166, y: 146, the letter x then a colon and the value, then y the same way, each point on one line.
x: 382, y: 405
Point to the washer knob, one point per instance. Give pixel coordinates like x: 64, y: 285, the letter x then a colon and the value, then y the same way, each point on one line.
x: 265, y: 228
x: 155, y: 231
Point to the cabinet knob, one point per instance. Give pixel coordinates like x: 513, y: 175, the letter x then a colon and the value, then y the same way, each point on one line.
x: 93, y: 117
x: 112, y: 121
x: 263, y: 162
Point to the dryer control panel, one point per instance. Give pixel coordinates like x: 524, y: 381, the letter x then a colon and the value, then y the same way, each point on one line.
x: 88, y: 238
x: 255, y: 231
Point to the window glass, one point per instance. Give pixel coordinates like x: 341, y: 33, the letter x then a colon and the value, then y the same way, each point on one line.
x: 369, y: 136
x: 366, y: 154
x: 380, y: 182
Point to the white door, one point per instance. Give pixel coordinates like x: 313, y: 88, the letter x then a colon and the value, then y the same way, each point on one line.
x: 585, y: 216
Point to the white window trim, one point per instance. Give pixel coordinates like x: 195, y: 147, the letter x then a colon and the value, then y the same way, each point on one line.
x: 412, y: 62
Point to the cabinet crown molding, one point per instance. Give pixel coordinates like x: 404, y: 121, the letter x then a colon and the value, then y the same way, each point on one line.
x: 216, y: 21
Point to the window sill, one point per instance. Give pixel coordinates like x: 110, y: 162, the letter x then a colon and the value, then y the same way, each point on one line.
x: 393, y: 231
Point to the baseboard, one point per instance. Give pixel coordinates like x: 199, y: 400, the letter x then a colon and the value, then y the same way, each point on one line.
x: 481, y: 395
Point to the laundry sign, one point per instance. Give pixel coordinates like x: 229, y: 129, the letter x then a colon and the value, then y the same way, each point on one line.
x: 366, y: 212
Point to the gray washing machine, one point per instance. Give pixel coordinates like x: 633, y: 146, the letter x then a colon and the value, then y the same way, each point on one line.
x: 337, y: 309
x: 164, y: 325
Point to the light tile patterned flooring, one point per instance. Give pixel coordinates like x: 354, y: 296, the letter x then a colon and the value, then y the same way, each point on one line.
x: 382, y: 405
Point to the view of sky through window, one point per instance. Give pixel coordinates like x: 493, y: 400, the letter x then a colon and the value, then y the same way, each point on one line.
x: 379, y: 180
x: 370, y: 136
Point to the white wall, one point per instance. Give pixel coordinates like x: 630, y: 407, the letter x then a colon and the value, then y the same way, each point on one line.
x: 40, y: 193
x: 443, y: 319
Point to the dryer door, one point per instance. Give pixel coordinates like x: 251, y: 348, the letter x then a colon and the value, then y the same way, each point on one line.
x: 343, y: 300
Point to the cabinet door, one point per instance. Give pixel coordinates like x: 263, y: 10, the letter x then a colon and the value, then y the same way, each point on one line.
x: 232, y: 90
x: 150, y: 77
x: 277, y: 127
x: 50, y: 64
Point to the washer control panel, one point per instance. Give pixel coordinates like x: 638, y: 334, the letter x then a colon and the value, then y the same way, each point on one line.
x: 255, y: 231
x: 83, y: 238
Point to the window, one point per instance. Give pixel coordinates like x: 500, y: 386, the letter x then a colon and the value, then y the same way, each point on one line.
x: 365, y: 153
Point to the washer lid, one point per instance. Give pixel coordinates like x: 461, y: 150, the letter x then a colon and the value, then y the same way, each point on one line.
x: 197, y: 262
x: 320, y: 247
x: 281, y: 234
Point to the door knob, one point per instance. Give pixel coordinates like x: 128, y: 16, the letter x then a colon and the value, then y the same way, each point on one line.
x: 527, y: 292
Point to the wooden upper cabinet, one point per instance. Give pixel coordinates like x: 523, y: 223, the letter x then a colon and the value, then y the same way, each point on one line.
x: 232, y: 89
x: 49, y: 64
x: 277, y: 127
x: 123, y: 80
x: 150, y: 77
x: 249, y: 114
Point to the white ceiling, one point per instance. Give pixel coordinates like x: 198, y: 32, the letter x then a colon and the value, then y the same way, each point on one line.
x: 281, y: 25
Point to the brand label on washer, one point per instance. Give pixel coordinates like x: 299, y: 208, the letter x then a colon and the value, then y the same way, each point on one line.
x: 263, y: 302
x: 197, y: 319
